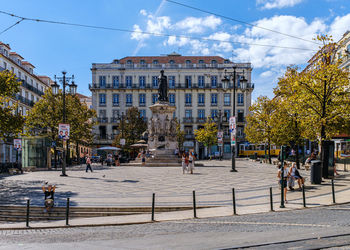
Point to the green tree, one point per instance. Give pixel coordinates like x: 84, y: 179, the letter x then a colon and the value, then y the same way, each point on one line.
x: 47, y: 113
x: 208, y: 134
x: 321, y: 94
x: 131, y: 128
x: 11, y: 122
x: 260, y: 122
x: 289, y: 119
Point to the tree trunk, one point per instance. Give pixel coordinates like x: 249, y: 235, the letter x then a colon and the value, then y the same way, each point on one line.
x: 77, y: 153
x: 55, y: 156
x: 297, y: 157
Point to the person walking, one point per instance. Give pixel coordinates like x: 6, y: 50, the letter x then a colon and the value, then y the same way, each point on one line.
x: 116, y: 158
x: 284, y: 181
x: 88, y: 164
x: 191, y: 159
x: 143, y: 158
x: 183, y: 161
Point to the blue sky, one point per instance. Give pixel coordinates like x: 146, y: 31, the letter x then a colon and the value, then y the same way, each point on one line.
x: 53, y: 48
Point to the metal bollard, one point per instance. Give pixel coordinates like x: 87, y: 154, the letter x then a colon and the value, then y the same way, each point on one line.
x: 304, y: 200
x: 345, y: 169
x: 234, y: 202
x: 67, y: 212
x: 333, y: 192
x: 271, y: 200
x: 27, y: 217
x: 153, y: 202
x: 194, y: 204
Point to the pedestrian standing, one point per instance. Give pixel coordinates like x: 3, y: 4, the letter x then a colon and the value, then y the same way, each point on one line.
x: 191, y: 159
x: 117, y: 163
x: 143, y: 158
x: 284, y: 181
x: 88, y: 164
x: 183, y: 161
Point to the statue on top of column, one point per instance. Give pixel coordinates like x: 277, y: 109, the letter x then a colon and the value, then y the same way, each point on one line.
x: 163, y: 87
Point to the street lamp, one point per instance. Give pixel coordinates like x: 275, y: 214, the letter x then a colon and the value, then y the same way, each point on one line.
x: 72, y: 90
x: 226, y: 86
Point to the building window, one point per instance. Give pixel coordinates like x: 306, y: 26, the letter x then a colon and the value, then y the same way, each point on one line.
x: 129, y: 62
x: 115, y: 113
x: 128, y: 99
x: 142, y: 62
x: 142, y: 81
x: 200, y: 81
x: 102, y: 81
x: 227, y: 99
x: 171, y: 62
x: 128, y: 81
x: 214, y: 99
x: 155, y: 61
x: 214, y: 81
x: 172, y: 99
x: 240, y: 117
x: 154, y: 98
x: 214, y: 62
x: 115, y: 80
x: 240, y: 99
x: 201, y: 113
x: 171, y: 80
x: 102, y: 113
x: 188, y: 64
x: 188, y: 113
x: 115, y: 99
x: 201, y: 99
x: 214, y: 113
x: 102, y: 98
x: 142, y: 113
x: 188, y: 81
x: 142, y: 99
x: 155, y: 81
x: 227, y: 113
x: 201, y: 62
x: 188, y: 99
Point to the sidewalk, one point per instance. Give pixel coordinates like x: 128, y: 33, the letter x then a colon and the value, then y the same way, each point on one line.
x: 213, y: 187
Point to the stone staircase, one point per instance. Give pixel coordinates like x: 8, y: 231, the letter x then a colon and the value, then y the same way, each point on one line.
x: 18, y: 213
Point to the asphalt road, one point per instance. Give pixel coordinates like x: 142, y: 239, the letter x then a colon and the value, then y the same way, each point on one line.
x: 315, y: 228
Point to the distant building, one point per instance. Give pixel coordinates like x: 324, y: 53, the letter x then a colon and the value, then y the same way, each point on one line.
x: 195, y: 88
x: 85, y: 99
x: 31, y: 90
x: 343, y: 51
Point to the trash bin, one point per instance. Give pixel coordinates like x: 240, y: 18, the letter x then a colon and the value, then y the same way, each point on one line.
x: 316, y: 172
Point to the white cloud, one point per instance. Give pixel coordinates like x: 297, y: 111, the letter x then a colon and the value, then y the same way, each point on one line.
x: 137, y: 35
x: 279, y: 4
x: 339, y: 26
x: 143, y: 12
x: 271, y: 57
x: 198, y: 24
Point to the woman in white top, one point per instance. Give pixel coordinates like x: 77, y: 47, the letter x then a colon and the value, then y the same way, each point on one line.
x: 285, y: 179
x: 184, y: 167
x: 191, y: 159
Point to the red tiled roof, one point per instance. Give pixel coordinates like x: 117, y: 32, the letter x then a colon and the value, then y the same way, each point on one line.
x: 81, y: 96
x: 15, y: 54
x: 4, y: 44
x: 27, y: 63
x: 176, y: 58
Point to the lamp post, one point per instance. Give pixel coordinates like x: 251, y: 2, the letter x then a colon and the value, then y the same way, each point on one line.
x: 242, y: 86
x: 72, y: 90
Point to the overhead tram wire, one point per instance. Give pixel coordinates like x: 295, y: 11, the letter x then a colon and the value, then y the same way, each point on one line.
x: 239, y: 21
x: 13, y: 25
x: 148, y: 33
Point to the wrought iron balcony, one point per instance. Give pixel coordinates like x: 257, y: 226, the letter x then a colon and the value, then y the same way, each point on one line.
x: 102, y: 119
x: 201, y: 119
x: 188, y: 119
x: 189, y: 136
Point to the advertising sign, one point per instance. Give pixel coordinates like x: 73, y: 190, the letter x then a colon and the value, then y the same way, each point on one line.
x: 63, y: 131
x: 232, y: 124
x: 17, y: 144
x: 220, y: 134
x: 220, y: 142
x: 122, y: 142
x: 233, y: 139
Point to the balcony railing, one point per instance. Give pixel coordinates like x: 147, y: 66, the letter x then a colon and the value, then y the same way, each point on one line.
x: 189, y: 136
x: 105, y: 137
x: 201, y: 120
x: 188, y: 119
x: 24, y: 100
x: 102, y: 119
x: 31, y: 88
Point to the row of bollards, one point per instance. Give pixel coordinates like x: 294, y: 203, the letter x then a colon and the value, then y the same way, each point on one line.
x: 194, y: 204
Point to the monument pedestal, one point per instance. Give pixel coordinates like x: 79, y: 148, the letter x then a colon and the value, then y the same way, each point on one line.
x: 162, y: 141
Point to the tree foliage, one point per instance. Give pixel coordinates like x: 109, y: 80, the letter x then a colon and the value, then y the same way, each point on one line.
x: 208, y: 134
x: 261, y: 121
x: 47, y: 113
x: 131, y: 127
x: 11, y: 122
